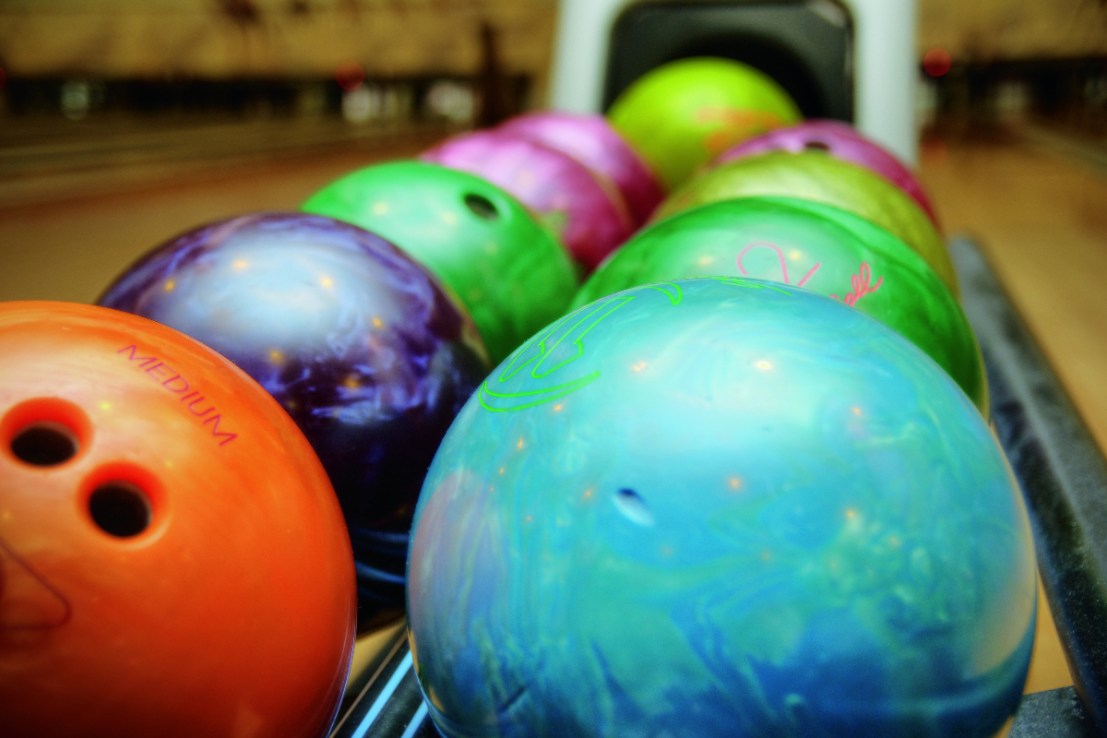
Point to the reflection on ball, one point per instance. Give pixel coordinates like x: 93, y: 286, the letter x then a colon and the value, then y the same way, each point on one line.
x: 355, y: 340
x: 811, y: 245
x: 681, y: 115
x: 842, y: 141
x: 720, y: 507
x: 169, y: 543
x: 815, y: 175
x: 510, y: 273
x: 585, y: 209
x: 591, y: 140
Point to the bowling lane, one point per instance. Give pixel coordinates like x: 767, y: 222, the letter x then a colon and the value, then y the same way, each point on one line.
x: 1037, y: 206
x: 66, y: 229
x: 1037, y: 211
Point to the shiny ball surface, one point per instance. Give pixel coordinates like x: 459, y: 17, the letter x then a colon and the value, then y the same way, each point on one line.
x: 584, y: 209
x: 591, y: 140
x: 842, y: 141
x: 818, y: 247
x: 720, y: 507
x: 682, y: 114
x: 818, y: 176
x: 354, y: 339
x: 169, y: 543
x: 511, y: 273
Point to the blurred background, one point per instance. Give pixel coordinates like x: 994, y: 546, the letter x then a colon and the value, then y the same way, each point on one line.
x: 126, y: 122
x: 418, y: 60
x: 327, y: 72
x: 127, y: 82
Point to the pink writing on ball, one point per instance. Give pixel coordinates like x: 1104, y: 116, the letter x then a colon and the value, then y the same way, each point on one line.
x: 860, y: 285
x: 175, y: 384
x: 780, y: 257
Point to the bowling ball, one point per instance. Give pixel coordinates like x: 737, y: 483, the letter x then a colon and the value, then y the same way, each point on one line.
x: 818, y: 247
x: 584, y: 209
x: 720, y: 507
x: 590, y: 139
x: 682, y: 114
x: 509, y: 271
x: 815, y: 175
x: 173, y: 560
x: 354, y: 339
x: 842, y: 141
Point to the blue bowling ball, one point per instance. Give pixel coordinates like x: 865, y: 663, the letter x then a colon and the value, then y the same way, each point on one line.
x: 720, y: 507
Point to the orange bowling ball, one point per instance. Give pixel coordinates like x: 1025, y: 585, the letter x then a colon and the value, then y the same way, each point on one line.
x: 173, y: 559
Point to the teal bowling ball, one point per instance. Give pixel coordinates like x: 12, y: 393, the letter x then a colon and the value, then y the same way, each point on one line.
x: 812, y: 245
x: 507, y: 269
x: 720, y: 507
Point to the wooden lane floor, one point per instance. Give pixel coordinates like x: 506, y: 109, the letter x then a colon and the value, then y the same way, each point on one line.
x: 1038, y: 210
x: 52, y: 159
x: 1036, y: 204
x: 65, y: 233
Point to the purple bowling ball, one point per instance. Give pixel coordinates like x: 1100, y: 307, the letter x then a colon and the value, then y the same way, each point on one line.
x: 840, y: 140
x: 356, y: 341
x: 590, y: 139
x: 585, y: 210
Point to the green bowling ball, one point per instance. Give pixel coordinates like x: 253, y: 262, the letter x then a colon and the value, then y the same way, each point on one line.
x: 818, y: 247
x: 683, y: 114
x: 817, y: 176
x: 509, y: 271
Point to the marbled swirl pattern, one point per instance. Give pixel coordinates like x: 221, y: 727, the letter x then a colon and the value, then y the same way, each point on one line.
x: 355, y: 340
x: 720, y: 507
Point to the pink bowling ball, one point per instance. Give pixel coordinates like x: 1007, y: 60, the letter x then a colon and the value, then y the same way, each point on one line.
x: 842, y: 141
x: 585, y: 210
x: 590, y: 139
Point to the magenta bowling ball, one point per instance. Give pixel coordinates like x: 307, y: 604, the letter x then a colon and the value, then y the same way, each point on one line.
x: 590, y: 139
x: 358, y: 342
x: 585, y: 210
x: 842, y: 141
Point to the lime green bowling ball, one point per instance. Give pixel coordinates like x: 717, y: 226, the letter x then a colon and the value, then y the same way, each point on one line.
x: 509, y: 271
x: 818, y: 247
x: 818, y: 176
x: 683, y: 114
